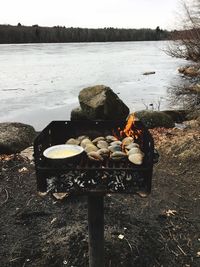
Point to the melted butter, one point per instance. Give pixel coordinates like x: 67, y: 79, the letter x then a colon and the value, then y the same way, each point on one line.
x: 61, y: 154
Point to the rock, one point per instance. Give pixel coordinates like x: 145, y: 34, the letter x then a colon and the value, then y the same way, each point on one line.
x: 152, y: 119
x: 100, y: 102
x: 195, y: 88
x: 78, y: 114
x: 149, y: 72
x: 177, y: 115
x: 15, y: 137
x: 191, y: 71
x: 193, y: 115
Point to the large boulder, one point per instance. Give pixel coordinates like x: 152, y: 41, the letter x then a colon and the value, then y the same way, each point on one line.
x: 100, y: 102
x: 15, y: 137
x: 177, y: 115
x: 78, y: 114
x: 152, y: 119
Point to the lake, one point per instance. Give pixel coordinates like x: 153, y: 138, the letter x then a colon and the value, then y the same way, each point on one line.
x: 41, y: 82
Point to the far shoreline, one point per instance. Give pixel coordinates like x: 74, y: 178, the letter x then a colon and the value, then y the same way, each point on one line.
x: 60, y: 34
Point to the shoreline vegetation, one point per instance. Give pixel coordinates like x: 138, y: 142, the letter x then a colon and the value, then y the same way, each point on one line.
x: 10, y: 34
x: 186, y: 45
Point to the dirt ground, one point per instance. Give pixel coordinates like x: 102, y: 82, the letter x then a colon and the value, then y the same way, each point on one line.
x: 160, y: 230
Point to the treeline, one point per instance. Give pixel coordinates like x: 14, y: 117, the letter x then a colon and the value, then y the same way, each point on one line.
x: 57, y: 34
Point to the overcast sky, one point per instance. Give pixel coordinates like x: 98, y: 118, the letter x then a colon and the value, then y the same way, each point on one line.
x: 90, y: 13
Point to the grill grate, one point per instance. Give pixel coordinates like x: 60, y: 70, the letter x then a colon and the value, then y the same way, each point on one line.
x: 83, y: 175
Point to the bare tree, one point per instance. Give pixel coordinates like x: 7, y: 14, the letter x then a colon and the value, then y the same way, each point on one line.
x: 187, y: 40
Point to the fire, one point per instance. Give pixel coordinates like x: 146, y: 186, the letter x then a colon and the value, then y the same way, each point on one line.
x: 129, y: 129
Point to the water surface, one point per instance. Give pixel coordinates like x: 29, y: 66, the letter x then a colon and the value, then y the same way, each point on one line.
x: 41, y: 82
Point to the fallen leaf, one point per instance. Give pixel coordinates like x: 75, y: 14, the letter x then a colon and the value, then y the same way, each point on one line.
x: 24, y: 169
x: 171, y: 212
x: 42, y: 194
x: 142, y: 194
x: 60, y: 195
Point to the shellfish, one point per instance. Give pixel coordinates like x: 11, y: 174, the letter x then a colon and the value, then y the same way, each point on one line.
x: 117, y: 155
x: 118, y: 142
x: 136, y: 158
x: 102, y: 144
x: 104, y: 152
x: 135, y: 150
x: 111, y: 138
x: 90, y: 147
x: 80, y: 138
x: 115, y: 148
x: 95, y: 156
x: 85, y: 141
x: 96, y: 140
x: 73, y: 141
x: 127, y: 141
x: 132, y: 145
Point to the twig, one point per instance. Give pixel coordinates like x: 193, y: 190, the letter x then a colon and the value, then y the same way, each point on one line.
x: 28, y: 202
x: 7, y: 196
x: 15, y: 259
x: 176, y: 254
x: 181, y: 250
x: 129, y: 245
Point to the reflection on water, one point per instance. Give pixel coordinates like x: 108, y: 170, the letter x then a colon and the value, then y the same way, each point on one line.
x: 42, y: 78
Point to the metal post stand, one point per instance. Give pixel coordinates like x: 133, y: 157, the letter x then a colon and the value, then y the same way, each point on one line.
x: 96, y: 230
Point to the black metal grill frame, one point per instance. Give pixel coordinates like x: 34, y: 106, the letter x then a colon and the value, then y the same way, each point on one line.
x: 57, y: 132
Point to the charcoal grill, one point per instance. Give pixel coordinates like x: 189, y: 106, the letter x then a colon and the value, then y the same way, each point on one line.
x: 93, y: 179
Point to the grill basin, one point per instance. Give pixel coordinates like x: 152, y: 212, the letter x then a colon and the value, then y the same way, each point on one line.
x: 81, y: 175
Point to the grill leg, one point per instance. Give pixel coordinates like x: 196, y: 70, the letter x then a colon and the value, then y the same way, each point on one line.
x: 96, y: 230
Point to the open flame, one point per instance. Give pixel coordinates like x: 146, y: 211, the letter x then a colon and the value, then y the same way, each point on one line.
x: 129, y: 129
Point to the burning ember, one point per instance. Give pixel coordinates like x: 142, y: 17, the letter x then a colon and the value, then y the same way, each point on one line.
x: 130, y: 129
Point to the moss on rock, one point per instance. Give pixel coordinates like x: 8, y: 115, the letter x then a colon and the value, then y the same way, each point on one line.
x: 152, y: 119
